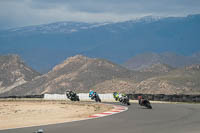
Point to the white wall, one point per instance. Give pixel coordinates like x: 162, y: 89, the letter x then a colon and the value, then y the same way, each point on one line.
x: 82, y: 96
x: 55, y: 97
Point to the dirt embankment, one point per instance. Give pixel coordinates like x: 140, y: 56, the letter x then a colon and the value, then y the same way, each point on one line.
x: 15, y: 114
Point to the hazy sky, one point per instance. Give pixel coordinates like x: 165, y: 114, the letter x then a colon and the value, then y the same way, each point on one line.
x: 14, y: 13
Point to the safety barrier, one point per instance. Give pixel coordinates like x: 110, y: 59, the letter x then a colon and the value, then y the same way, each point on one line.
x: 27, y: 96
x: 55, y: 97
x: 170, y: 98
x: 109, y: 96
x: 82, y: 96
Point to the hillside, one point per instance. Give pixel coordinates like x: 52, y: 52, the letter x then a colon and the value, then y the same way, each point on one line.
x: 116, y: 42
x: 179, y: 81
x: 157, y: 68
x: 146, y: 60
x: 78, y: 73
x: 81, y: 73
x: 170, y: 81
x: 13, y: 72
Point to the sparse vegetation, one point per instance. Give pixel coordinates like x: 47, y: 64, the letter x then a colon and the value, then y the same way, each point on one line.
x: 81, y: 74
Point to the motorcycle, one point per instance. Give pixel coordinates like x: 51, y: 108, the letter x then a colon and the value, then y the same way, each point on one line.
x: 95, y: 97
x: 72, y: 96
x: 39, y: 131
x: 125, y: 100
x: 144, y: 102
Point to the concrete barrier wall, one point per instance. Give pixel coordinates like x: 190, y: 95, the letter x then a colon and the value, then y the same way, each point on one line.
x: 109, y: 96
x: 55, y: 97
x: 82, y: 96
x: 170, y: 98
x: 27, y: 96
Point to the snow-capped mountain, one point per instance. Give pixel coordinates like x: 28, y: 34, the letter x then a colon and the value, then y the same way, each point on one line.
x: 70, y: 26
x: 58, y: 27
x: 44, y: 46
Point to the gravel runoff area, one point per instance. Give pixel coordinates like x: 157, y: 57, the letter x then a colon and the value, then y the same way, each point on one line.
x: 26, y: 113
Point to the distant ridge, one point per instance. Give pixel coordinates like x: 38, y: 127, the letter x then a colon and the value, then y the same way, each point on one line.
x: 179, y: 81
x: 44, y: 46
x: 81, y: 73
x: 78, y: 73
x: 158, y: 68
x: 143, y: 61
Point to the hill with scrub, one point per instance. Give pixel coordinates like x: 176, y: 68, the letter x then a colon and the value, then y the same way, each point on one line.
x: 77, y: 73
x: 14, y: 72
x: 81, y: 73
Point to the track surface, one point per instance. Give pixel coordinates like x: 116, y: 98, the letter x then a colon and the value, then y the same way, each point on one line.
x: 163, y: 118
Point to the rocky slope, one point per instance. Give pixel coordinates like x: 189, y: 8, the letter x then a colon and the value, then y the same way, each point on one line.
x: 179, y: 81
x: 158, y: 68
x: 13, y: 72
x: 81, y: 74
x: 170, y: 81
x: 146, y: 60
x: 78, y: 73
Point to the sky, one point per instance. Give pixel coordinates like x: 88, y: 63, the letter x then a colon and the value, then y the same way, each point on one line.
x: 19, y: 13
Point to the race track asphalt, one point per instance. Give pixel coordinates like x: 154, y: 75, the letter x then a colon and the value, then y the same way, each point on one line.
x: 163, y: 118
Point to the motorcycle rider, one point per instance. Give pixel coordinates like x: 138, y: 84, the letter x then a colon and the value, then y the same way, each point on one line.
x: 144, y: 102
x: 91, y: 93
x: 94, y: 95
x: 39, y: 131
x: 116, y: 96
x: 122, y: 97
x: 119, y: 96
x: 141, y: 100
x: 68, y: 93
x: 72, y: 95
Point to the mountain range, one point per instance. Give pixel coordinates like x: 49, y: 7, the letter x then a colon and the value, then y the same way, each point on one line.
x: 146, y: 60
x: 44, y: 46
x: 81, y: 73
x: 78, y: 73
x: 179, y: 81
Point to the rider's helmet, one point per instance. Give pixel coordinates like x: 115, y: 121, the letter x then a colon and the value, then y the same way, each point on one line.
x: 139, y: 97
x: 91, y: 93
x: 67, y: 91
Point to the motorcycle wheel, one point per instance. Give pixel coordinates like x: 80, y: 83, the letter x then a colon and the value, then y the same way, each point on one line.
x: 148, y: 105
x: 97, y: 99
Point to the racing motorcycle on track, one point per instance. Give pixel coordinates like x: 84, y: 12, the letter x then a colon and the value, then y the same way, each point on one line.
x: 95, y: 96
x: 144, y: 102
x: 39, y: 131
x: 124, y: 99
x: 72, y: 95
